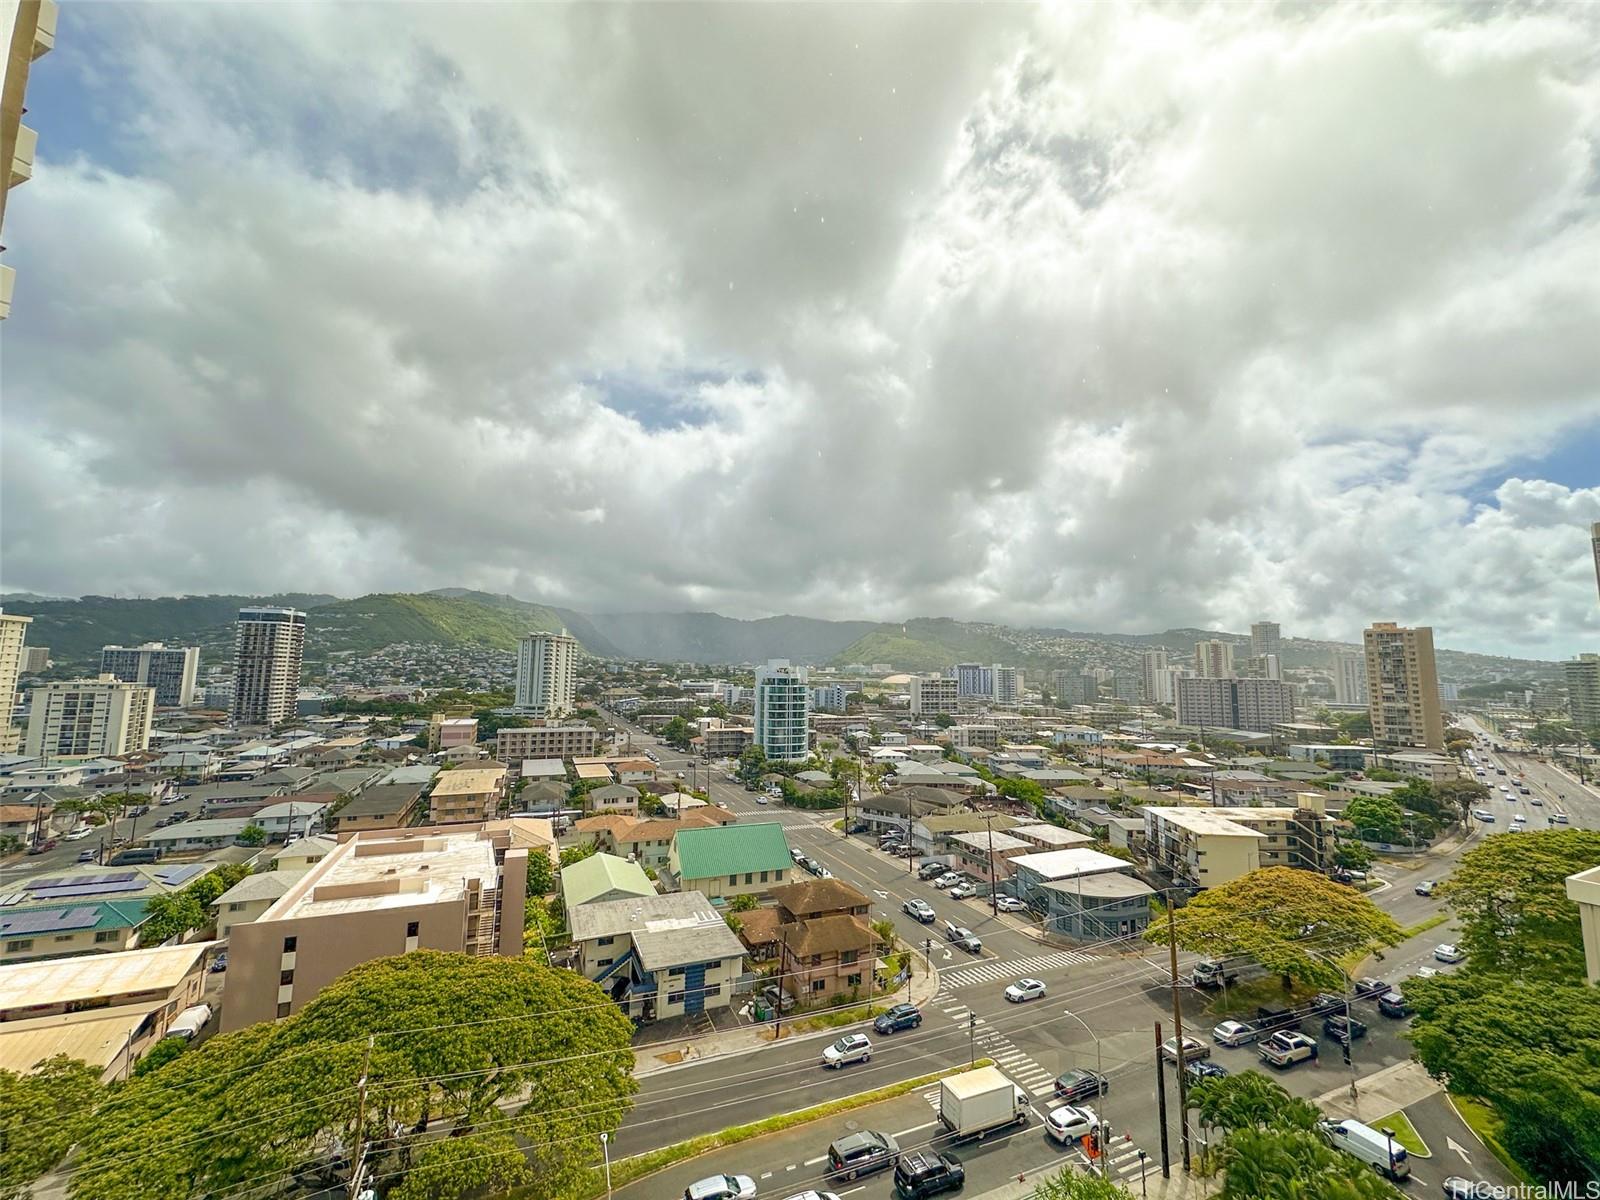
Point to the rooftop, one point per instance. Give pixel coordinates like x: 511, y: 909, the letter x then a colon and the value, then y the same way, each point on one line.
x: 1053, y: 835
x: 543, y: 768
x: 401, y: 869
x: 1214, y: 821
x: 729, y: 849
x: 388, y: 799
x: 599, y: 874
x: 984, y: 840
x: 819, y: 895
x: 263, y: 885
x: 96, y: 976
x: 468, y: 781
x: 1106, y: 886
x: 674, y: 910
x: 1063, y: 864
x: 825, y: 935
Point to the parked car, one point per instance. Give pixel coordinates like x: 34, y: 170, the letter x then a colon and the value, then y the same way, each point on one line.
x: 1324, y: 1003
x: 88, y: 856
x: 775, y: 997
x: 1447, y: 952
x: 1068, y: 1124
x: 1193, y: 1048
x: 931, y: 870
x: 861, y: 1153
x: 927, y: 1173
x: 41, y: 847
x: 851, y: 1048
x: 948, y: 880
x: 1425, y: 888
x: 1343, y: 1030
x: 1025, y: 989
x: 1426, y: 972
x: 1393, y: 1004
x: 1285, y: 1049
x: 1080, y: 1085
x: 1009, y: 904
x: 1203, y: 1069
x: 1234, y: 1033
x: 963, y: 937
x: 1272, y: 1020
x: 919, y: 910
x: 796, y: 854
x: 219, y: 964
x: 963, y: 891
x: 77, y: 835
x: 901, y: 1016
x: 721, y: 1187
x: 761, y: 799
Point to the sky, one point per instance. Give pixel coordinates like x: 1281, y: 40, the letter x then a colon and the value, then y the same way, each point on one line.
x: 1094, y: 316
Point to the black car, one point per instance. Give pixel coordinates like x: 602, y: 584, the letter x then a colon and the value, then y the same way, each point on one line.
x: 861, y: 1153
x: 1274, y: 1020
x: 1081, y: 1085
x: 931, y: 870
x: 1393, y: 1004
x: 1204, y: 1068
x: 926, y: 1173
x: 901, y: 1016
x: 1342, y: 1029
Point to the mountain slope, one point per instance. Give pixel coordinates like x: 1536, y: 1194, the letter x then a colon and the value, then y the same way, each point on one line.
x: 712, y: 638
x: 372, y: 622
x: 932, y: 644
x: 539, y: 616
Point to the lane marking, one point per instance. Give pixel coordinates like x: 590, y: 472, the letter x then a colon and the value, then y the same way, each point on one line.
x: 811, y: 1162
x: 914, y: 1129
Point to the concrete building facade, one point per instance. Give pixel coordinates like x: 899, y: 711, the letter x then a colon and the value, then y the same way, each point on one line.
x: 170, y: 670
x: 269, y: 644
x: 1213, y: 659
x: 547, y: 665
x: 84, y: 718
x: 1403, y: 687
x: 1154, y: 682
x: 932, y: 695
x: 28, y: 30
x: 1349, y: 677
x: 1583, y: 690
x: 13, y: 632
x: 1265, y: 638
x: 576, y: 739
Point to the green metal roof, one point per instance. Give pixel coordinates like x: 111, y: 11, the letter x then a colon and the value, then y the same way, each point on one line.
x: 732, y: 849
x: 602, y: 873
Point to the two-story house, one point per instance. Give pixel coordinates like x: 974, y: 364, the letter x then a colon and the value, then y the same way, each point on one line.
x: 658, y: 956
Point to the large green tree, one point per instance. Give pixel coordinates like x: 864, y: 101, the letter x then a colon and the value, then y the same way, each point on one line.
x: 1071, y: 1184
x: 752, y: 765
x: 1531, y: 1050
x: 493, y: 1048
x: 1292, y: 922
x: 41, y: 1115
x: 1510, y: 894
x: 1376, y: 818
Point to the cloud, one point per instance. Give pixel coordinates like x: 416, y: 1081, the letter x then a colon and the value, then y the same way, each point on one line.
x: 1097, y: 317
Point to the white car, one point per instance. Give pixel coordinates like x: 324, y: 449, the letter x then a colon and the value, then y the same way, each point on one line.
x: 919, y: 910
x: 1010, y: 904
x: 948, y: 880
x: 77, y: 835
x: 1025, y: 989
x: 1445, y: 952
x: 721, y: 1187
x: 1234, y: 1033
x: 1426, y: 972
x: 761, y: 799
x: 852, y: 1047
x: 963, y: 891
x: 1068, y: 1123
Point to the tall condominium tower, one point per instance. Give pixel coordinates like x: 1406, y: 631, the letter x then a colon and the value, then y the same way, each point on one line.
x: 1583, y: 690
x: 1007, y: 684
x: 974, y: 679
x: 782, y: 710
x: 1265, y: 639
x: 932, y: 695
x: 87, y: 718
x: 1403, y: 687
x: 547, y: 669
x: 13, y: 631
x: 1349, y: 677
x: 1152, y: 664
x: 1213, y: 659
x: 268, y: 646
x: 169, y: 669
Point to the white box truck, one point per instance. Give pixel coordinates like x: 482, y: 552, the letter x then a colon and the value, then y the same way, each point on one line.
x: 977, y: 1102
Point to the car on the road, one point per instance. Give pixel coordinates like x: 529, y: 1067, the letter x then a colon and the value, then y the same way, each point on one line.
x: 963, y: 937
x: 721, y: 1187
x: 761, y: 799
x: 1484, y: 815
x: 1009, y: 904
x: 219, y: 964
x: 1536, y: 801
x: 919, y: 910
x: 77, y: 835
x: 1235, y: 1033
x: 1069, y: 1123
x: 851, y: 1048
x: 1368, y: 987
x: 823, y: 872
x: 1193, y: 1048
x: 41, y: 847
x: 813, y: 866
x: 1425, y: 888
x: 1393, y: 1004
x: 1284, y: 1049
x: 1080, y: 1085
x: 1559, y: 819
x: 1426, y: 972
x: 1025, y: 989
x: 901, y: 1016
x: 948, y: 880
x: 1324, y: 1003
x: 1342, y: 1029
x: 796, y: 854
x: 861, y: 1153
x: 927, y: 1173
x: 1447, y: 952
x: 1202, y: 1069
x: 88, y: 856
x: 963, y: 891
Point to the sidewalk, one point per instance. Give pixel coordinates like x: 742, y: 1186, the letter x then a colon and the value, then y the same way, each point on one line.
x: 655, y: 1057
x: 1156, y: 1186
x: 1381, y: 1093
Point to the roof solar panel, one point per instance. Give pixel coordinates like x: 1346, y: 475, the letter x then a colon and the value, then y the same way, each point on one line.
x: 88, y: 887
x: 61, y: 881
x: 49, y: 920
x: 173, y: 876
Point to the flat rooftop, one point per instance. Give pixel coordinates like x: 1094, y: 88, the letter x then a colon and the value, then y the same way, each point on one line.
x: 97, y: 976
x: 369, y: 875
x: 468, y: 781
x: 1215, y: 821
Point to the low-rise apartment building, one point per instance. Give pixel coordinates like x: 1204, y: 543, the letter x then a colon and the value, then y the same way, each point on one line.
x: 614, y: 797
x: 723, y: 741
x: 973, y: 853
x: 1421, y: 764
x: 467, y: 795
x: 387, y: 806
x: 65, y: 928
x: 384, y: 892
x: 965, y: 737
x: 1082, y: 893
x: 250, y: 897
x: 1206, y: 847
x: 658, y: 956
x: 827, y: 956
x: 601, y: 878
x: 577, y: 739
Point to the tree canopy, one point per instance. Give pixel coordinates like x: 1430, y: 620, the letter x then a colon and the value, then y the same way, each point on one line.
x: 41, y: 1115
x: 454, y: 1036
x: 1376, y: 818
x: 1292, y: 922
x: 752, y: 765
x: 1510, y: 893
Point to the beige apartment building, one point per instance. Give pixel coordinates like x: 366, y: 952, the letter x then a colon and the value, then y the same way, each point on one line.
x: 383, y: 892
x: 1206, y: 847
x: 982, y: 737
x: 13, y: 631
x: 467, y: 794
x: 28, y: 29
x: 932, y: 695
x: 1583, y: 889
x: 89, y: 718
x: 575, y: 740
x: 1403, y: 687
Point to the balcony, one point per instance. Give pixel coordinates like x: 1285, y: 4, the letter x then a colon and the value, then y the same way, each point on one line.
x: 44, y: 36
x: 7, y: 278
x: 22, y: 159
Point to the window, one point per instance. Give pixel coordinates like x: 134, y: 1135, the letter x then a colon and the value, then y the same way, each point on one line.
x: 713, y: 964
x: 289, y: 944
x: 285, y: 978
x: 733, y: 881
x: 714, y: 990
x: 749, y: 877
x: 764, y: 875
x: 853, y: 980
x: 675, y: 971
x: 19, y: 944
x: 411, y: 928
x: 818, y: 985
x: 605, y: 941
x: 283, y: 1009
x: 235, y: 906
x: 816, y: 960
x: 848, y: 956
x: 604, y: 962
x: 674, y: 997
x: 107, y: 935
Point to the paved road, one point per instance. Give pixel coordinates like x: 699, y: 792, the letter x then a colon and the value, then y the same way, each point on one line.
x: 65, y: 854
x: 1453, y: 1148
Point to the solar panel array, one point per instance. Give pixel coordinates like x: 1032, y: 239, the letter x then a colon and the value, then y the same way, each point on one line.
x: 48, y: 920
x: 175, y: 876
x: 88, y: 887
x: 36, y: 885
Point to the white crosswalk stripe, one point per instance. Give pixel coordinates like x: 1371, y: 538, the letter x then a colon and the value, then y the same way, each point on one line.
x: 993, y: 972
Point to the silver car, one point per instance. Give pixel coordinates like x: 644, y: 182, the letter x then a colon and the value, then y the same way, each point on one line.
x: 1234, y: 1033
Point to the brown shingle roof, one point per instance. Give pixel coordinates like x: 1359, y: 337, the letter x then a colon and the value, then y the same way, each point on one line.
x: 819, y: 896
x: 826, y: 935
x: 759, y: 926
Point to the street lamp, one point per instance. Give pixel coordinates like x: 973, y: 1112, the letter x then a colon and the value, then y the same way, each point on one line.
x: 1099, y: 1070
x: 605, y: 1149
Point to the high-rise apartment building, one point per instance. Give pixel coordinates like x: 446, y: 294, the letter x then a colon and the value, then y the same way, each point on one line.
x: 547, y: 673
x: 1151, y: 664
x: 782, y: 710
x: 27, y: 32
x: 1126, y: 687
x: 170, y: 670
x: 268, y: 646
x: 1251, y: 704
x: 13, y: 632
x: 1265, y: 638
x: 1349, y: 677
x: 1583, y: 690
x: 932, y: 695
x: 35, y: 659
x: 1007, y: 684
x: 1262, y: 666
x: 829, y: 697
x: 89, y: 718
x: 1403, y: 687
x: 1213, y: 659
x: 974, y: 679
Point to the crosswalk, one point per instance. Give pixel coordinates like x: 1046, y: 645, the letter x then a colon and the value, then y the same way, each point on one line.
x: 988, y: 1042
x: 1123, y: 1159
x: 1010, y: 969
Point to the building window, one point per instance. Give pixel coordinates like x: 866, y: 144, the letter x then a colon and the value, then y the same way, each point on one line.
x: 848, y: 956
x: 605, y: 962
x: 411, y: 928
x: 605, y: 941
x: 283, y: 1009
x: 818, y: 985
x: 749, y: 877
x: 733, y: 881
x: 289, y: 944
x: 816, y: 960
x: 675, y: 971
x: 713, y: 964
x: 714, y: 990
x: 853, y: 980
x: 285, y: 978
x: 19, y: 944
x: 764, y: 875
x: 107, y: 935
x: 235, y: 906
x: 674, y: 997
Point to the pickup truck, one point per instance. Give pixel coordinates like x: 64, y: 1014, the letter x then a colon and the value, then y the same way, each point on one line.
x: 1271, y: 1020
x: 1286, y: 1049
x: 1211, y: 974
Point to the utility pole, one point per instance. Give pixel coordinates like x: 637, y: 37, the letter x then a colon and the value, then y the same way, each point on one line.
x: 1161, y: 1107
x: 358, y: 1170
x: 994, y: 882
x: 1177, y: 1022
x: 972, y: 1039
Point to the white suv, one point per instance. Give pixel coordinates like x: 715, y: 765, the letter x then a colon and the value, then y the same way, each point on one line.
x: 852, y: 1047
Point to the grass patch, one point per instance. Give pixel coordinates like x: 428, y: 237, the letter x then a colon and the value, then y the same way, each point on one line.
x: 1482, y: 1119
x: 1266, y: 991
x: 1405, y: 1133
x: 836, y: 1018
x: 627, y: 1170
x: 1433, y: 922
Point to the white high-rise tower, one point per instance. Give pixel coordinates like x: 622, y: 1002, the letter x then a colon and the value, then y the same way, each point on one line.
x: 268, y: 646
x: 547, y: 665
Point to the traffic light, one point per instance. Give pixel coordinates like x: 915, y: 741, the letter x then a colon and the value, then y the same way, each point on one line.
x: 1346, y: 1048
